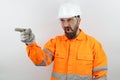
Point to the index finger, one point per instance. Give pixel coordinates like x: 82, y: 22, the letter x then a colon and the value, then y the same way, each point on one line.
x: 19, y: 29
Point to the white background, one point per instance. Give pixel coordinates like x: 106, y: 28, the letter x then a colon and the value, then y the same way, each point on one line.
x: 100, y: 18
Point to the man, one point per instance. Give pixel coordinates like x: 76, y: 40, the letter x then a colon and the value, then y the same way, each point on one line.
x: 76, y: 55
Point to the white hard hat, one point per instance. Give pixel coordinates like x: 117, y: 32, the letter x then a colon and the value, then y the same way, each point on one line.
x: 68, y: 10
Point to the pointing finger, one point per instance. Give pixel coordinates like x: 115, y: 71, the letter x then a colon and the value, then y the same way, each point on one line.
x: 19, y: 29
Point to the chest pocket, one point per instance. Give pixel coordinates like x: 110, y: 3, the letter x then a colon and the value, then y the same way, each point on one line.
x: 85, y: 62
x: 85, y: 55
x: 60, y: 54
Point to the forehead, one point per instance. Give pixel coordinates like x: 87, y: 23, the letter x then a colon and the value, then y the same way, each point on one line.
x: 66, y: 18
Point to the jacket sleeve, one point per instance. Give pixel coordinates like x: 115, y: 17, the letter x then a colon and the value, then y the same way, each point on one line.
x: 39, y: 56
x: 99, y: 63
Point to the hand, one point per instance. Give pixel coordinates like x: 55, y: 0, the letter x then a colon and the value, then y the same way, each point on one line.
x: 26, y: 35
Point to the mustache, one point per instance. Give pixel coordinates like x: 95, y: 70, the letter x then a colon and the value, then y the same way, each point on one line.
x: 68, y: 28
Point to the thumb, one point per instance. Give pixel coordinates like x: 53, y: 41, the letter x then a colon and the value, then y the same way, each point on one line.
x: 28, y: 31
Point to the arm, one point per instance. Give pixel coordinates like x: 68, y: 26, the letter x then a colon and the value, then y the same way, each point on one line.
x: 99, y: 63
x: 41, y: 57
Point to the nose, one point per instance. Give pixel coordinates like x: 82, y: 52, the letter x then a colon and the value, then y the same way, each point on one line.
x: 65, y: 24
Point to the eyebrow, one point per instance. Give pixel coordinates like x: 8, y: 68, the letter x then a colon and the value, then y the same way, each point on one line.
x: 68, y: 19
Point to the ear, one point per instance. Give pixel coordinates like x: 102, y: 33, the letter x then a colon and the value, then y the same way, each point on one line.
x: 79, y: 20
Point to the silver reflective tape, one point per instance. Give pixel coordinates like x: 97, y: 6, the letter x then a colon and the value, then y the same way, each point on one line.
x: 48, y: 53
x: 78, y: 77
x: 70, y: 76
x: 102, y: 78
x: 100, y: 68
x: 59, y: 76
x: 42, y: 63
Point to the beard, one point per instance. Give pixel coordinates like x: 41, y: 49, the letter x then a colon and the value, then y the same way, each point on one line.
x: 73, y: 33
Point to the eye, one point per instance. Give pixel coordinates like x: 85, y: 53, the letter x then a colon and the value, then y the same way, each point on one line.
x: 61, y: 20
x: 69, y: 19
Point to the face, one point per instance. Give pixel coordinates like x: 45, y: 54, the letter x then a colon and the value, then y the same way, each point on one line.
x: 70, y: 26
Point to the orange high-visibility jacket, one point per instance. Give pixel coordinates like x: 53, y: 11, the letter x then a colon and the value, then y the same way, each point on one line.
x: 82, y: 58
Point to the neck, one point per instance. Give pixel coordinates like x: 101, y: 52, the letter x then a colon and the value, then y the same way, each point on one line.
x: 78, y: 31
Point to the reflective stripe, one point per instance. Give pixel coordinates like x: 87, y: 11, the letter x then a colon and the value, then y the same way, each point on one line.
x: 78, y: 77
x: 42, y: 63
x: 48, y: 53
x: 100, y: 68
x: 59, y: 76
x: 102, y: 78
x: 70, y: 76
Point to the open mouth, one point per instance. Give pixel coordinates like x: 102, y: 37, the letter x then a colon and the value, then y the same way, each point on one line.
x: 68, y: 29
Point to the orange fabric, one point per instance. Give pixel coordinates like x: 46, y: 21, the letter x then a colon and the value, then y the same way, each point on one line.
x: 77, y: 56
x: 36, y: 54
x: 53, y: 79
